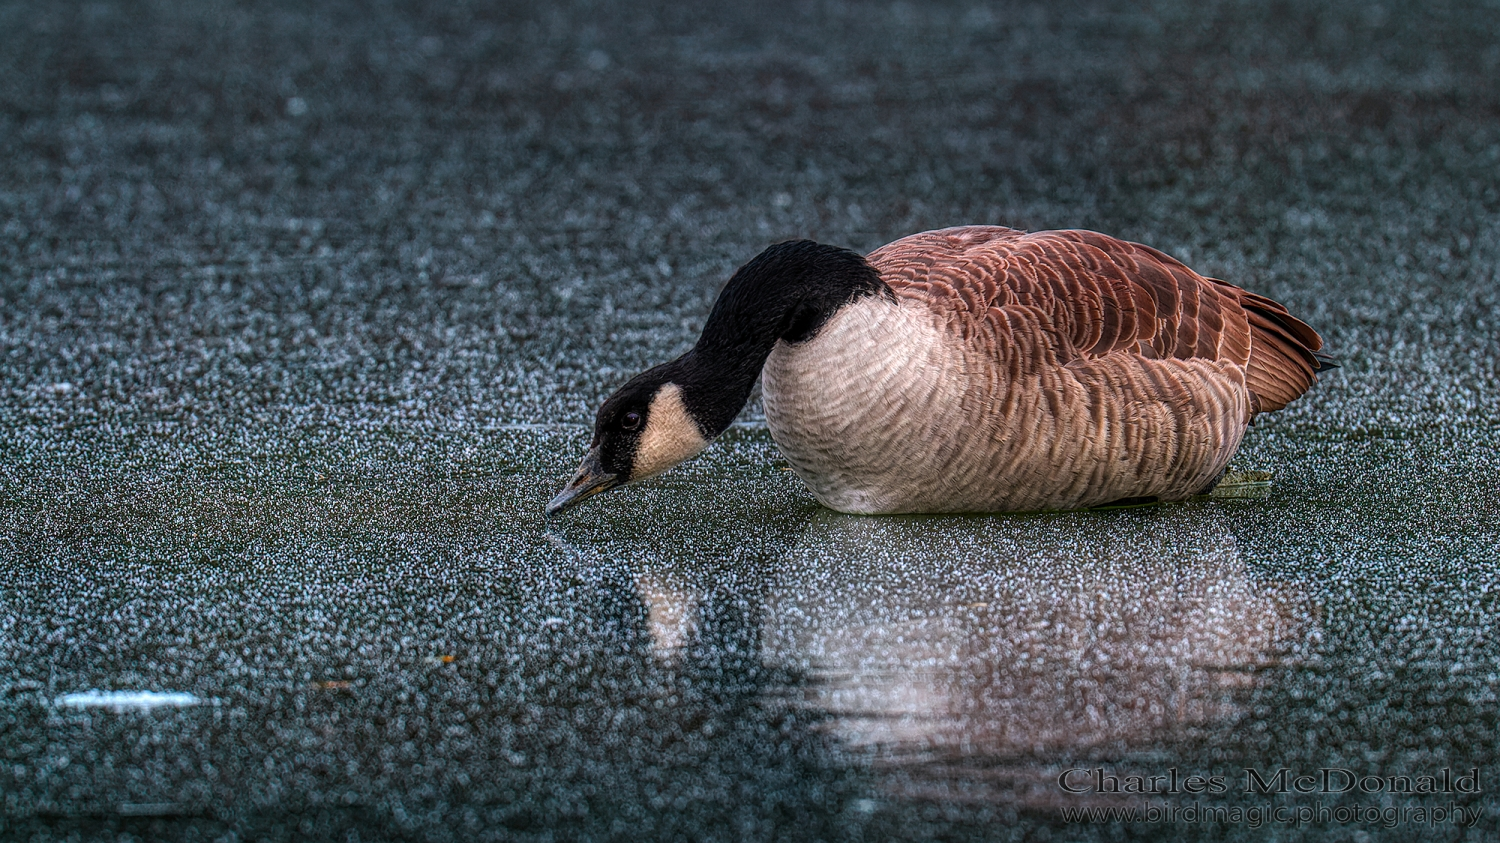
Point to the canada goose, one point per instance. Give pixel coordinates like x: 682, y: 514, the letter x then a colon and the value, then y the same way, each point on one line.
x: 970, y: 369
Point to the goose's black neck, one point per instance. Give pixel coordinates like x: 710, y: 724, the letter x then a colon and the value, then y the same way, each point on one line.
x: 788, y: 292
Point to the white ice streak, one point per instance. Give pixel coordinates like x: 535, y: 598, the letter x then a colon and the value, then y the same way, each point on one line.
x: 127, y: 700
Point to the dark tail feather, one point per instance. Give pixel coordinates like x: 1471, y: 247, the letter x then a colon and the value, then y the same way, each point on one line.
x: 1284, y: 353
x: 1325, y: 361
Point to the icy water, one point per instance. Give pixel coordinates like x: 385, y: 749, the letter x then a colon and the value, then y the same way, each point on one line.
x: 303, y: 314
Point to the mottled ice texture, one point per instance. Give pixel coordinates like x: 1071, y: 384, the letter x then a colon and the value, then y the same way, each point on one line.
x: 303, y: 313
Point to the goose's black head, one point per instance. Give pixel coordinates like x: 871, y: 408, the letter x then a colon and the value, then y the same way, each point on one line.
x: 669, y: 413
x: 640, y: 431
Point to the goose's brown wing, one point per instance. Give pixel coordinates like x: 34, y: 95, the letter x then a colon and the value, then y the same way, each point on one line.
x: 1105, y: 295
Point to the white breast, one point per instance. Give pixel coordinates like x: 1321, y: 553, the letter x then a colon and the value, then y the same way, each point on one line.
x: 846, y: 407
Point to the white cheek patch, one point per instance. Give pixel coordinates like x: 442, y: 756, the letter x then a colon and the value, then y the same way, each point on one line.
x: 670, y: 437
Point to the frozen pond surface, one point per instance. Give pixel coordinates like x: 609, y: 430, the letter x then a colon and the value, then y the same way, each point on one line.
x: 304, y: 313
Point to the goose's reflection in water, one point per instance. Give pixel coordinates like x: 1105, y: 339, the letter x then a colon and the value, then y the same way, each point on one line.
x: 992, y: 651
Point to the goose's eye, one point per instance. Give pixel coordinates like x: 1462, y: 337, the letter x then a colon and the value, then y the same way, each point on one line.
x: 630, y: 421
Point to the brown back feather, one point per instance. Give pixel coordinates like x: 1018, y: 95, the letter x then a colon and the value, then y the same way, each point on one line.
x: 1106, y: 296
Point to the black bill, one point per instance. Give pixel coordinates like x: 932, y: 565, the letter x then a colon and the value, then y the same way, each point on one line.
x: 591, y: 479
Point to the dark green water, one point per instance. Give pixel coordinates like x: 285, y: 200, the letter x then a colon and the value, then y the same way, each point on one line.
x: 715, y: 655
x: 303, y: 310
